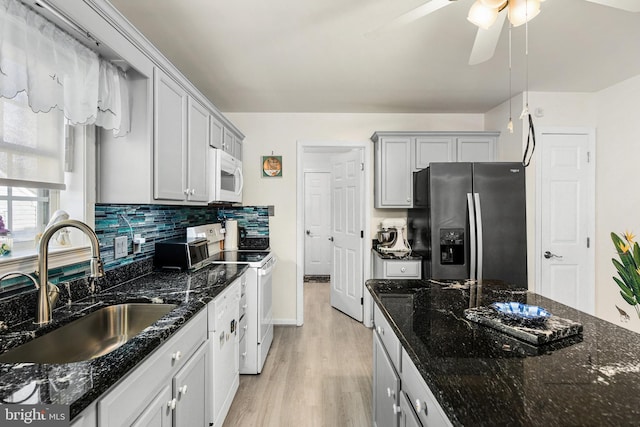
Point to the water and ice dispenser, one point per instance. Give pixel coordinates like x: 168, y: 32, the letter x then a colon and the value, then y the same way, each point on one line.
x: 452, y: 246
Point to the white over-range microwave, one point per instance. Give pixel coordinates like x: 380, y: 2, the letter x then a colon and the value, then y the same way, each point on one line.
x: 226, y: 180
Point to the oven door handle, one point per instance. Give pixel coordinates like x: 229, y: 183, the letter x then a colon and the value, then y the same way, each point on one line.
x: 267, y: 267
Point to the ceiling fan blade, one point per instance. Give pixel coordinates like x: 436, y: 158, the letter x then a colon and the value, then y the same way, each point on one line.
x: 628, y: 5
x: 411, y: 16
x: 486, y: 41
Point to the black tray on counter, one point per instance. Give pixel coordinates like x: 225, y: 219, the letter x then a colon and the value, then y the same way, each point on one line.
x: 555, y: 328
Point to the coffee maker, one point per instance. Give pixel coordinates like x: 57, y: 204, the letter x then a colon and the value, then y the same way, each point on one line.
x: 392, y: 236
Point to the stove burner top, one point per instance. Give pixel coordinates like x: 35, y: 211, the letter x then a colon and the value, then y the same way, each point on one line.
x: 240, y: 257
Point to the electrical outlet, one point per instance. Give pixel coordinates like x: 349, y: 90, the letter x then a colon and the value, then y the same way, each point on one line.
x: 120, y: 249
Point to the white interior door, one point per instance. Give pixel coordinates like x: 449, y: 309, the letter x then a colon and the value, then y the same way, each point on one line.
x: 317, y: 220
x: 566, y: 218
x: 347, y: 233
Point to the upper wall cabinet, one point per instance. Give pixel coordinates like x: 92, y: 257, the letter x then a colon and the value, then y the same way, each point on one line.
x: 225, y: 139
x: 163, y: 159
x: 169, y: 138
x: 181, y: 140
x: 399, y: 154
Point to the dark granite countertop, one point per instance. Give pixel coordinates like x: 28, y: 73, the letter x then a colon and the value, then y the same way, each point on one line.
x: 410, y: 256
x: 79, y: 384
x: 482, y: 377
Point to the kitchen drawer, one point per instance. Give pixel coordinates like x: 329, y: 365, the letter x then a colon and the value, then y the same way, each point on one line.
x: 420, y: 397
x: 402, y: 269
x: 124, y: 402
x: 388, y: 337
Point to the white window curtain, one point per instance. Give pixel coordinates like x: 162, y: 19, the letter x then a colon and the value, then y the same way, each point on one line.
x: 57, y: 71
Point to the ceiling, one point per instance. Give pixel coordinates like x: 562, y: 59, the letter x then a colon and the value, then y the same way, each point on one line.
x: 315, y: 56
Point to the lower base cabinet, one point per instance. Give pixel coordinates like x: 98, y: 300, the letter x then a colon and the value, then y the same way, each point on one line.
x: 400, y: 395
x: 169, y: 388
x: 386, y: 387
x: 408, y: 417
x: 419, y: 396
x: 158, y: 413
x: 183, y: 403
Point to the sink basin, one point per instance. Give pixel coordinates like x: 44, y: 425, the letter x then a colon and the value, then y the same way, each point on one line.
x: 89, y: 337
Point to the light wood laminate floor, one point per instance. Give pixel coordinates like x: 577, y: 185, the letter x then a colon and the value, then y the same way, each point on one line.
x: 318, y: 374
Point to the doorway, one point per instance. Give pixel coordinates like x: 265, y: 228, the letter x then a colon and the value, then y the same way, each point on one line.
x: 318, y: 157
x: 317, y: 226
x: 565, y: 217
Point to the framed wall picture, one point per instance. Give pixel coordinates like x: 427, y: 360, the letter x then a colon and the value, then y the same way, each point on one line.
x: 271, y: 166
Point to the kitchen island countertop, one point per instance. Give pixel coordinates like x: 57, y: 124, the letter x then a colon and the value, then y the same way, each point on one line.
x: 81, y: 383
x: 482, y: 377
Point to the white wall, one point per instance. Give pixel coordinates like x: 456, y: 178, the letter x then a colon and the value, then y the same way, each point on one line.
x: 279, y: 133
x: 614, y: 112
x: 617, y: 197
x: 548, y: 109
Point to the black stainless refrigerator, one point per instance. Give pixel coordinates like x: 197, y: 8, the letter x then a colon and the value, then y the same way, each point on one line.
x: 468, y: 221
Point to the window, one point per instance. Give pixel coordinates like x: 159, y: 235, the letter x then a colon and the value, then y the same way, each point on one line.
x: 25, y: 212
x: 33, y: 183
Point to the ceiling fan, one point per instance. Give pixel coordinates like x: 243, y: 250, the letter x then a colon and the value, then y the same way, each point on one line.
x: 489, y: 16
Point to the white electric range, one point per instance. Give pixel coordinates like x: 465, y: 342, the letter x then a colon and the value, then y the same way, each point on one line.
x: 256, y: 304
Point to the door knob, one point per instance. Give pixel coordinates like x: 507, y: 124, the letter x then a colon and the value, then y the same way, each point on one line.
x: 549, y: 255
x: 331, y: 238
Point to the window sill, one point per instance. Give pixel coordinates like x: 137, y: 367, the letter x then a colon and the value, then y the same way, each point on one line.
x: 26, y: 261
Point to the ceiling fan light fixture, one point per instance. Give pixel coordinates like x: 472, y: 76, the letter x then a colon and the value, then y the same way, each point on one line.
x: 521, y: 11
x: 482, y: 15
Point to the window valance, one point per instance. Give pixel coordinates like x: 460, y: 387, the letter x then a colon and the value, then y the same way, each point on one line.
x: 57, y: 71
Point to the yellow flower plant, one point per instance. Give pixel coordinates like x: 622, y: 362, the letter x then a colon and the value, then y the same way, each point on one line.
x: 628, y: 268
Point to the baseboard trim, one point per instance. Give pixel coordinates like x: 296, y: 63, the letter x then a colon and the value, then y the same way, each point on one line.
x: 290, y: 322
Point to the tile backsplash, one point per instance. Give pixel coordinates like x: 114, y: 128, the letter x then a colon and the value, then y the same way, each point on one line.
x: 154, y: 223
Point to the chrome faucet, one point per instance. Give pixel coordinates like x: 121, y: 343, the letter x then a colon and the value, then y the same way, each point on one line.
x: 43, y: 315
x: 52, y: 290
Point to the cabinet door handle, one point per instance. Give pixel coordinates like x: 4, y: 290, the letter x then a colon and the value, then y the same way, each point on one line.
x: 380, y: 330
x: 244, y: 354
x: 176, y: 356
x: 396, y: 409
x: 391, y: 393
x: 172, y: 404
x: 403, y: 269
x: 186, y: 191
x: 420, y: 406
x: 183, y: 390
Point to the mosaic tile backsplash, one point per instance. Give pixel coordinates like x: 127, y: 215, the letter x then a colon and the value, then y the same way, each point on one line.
x: 154, y: 223
x: 255, y: 219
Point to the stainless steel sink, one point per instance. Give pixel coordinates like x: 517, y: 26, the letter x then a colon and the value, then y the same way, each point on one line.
x: 89, y: 337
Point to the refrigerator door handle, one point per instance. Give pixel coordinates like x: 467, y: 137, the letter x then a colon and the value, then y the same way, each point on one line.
x: 476, y: 197
x: 472, y: 237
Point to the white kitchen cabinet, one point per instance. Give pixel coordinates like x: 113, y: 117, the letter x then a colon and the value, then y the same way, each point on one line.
x: 420, y: 397
x: 198, y: 144
x: 223, y: 326
x: 393, y: 178
x: 217, y: 132
x: 141, y: 397
x: 237, y: 148
x: 87, y: 418
x: 386, y: 381
x: 434, y: 149
x: 170, y: 138
x: 408, y: 417
x: 181, y: 139
x: 190, y: 390
x: 386, y: 386
x: 399, y: 154
x: 384, y: 268
x: 158, y: 412
x: 476, y: 149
